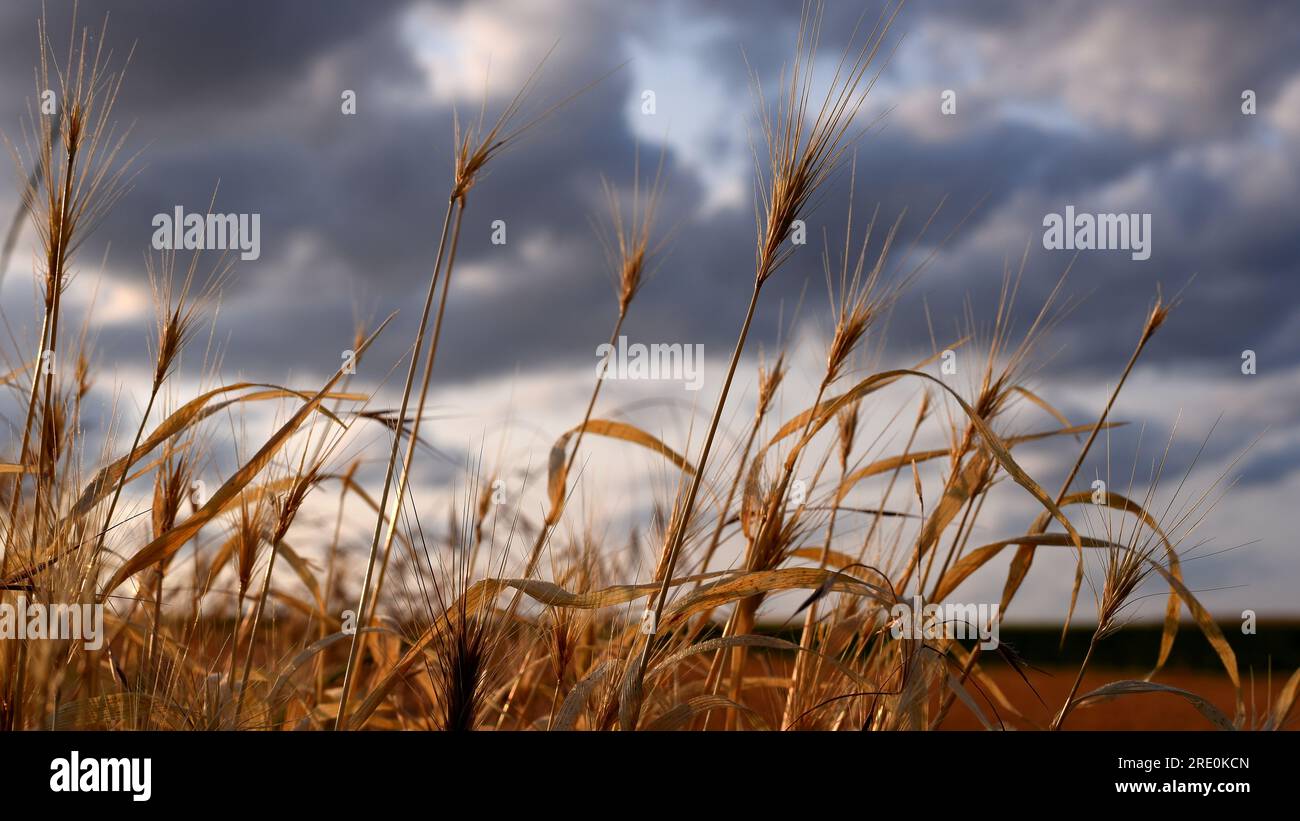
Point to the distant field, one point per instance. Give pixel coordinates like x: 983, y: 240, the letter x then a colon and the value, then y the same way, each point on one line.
x: 1192, y: 666
x: 1156, y: 711
x: 1127, y: 655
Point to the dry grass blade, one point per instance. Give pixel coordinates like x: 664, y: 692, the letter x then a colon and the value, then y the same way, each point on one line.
x: 679, y: 715
x: 1123, y: 688
x: 977, y: 558
x: 751, y: 640
x: 558, y: 462
x: 996, y: 447
x: 960, y: 490
x: 892, y: 463
x: 959, y: 690
x: 1212, y: 632
x: 168, y: 543
x: 276, y: 694
x: 567, y: 717
x: 1285, y: 700
x: 1024, y: 556
x: 757, y: 582
x: 826, y: 410
x: 1046, y: 406
x: 184, y: 418
x: 120, y: 711
x: 1203, y: 619
x: 304, y: 573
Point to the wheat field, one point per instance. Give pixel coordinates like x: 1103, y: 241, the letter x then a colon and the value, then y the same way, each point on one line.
x: 220, y: 612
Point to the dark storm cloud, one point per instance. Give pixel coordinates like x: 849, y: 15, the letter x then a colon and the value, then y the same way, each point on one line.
x: 1245, y: 253
x: 195, y: 59
x: 248, y: 94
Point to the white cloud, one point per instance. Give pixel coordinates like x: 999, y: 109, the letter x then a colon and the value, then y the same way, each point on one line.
x: 696, y: 114
x: 1284, y: 113
x: 472, y: 49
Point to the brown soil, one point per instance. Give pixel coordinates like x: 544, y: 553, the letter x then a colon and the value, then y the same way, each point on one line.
x: 1147, y: 711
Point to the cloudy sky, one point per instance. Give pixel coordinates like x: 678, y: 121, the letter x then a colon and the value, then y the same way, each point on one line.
x: 1110, y: 107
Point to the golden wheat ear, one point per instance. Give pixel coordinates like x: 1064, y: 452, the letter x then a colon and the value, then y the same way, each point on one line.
x: 804, y: 148
x: 167, y: 544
